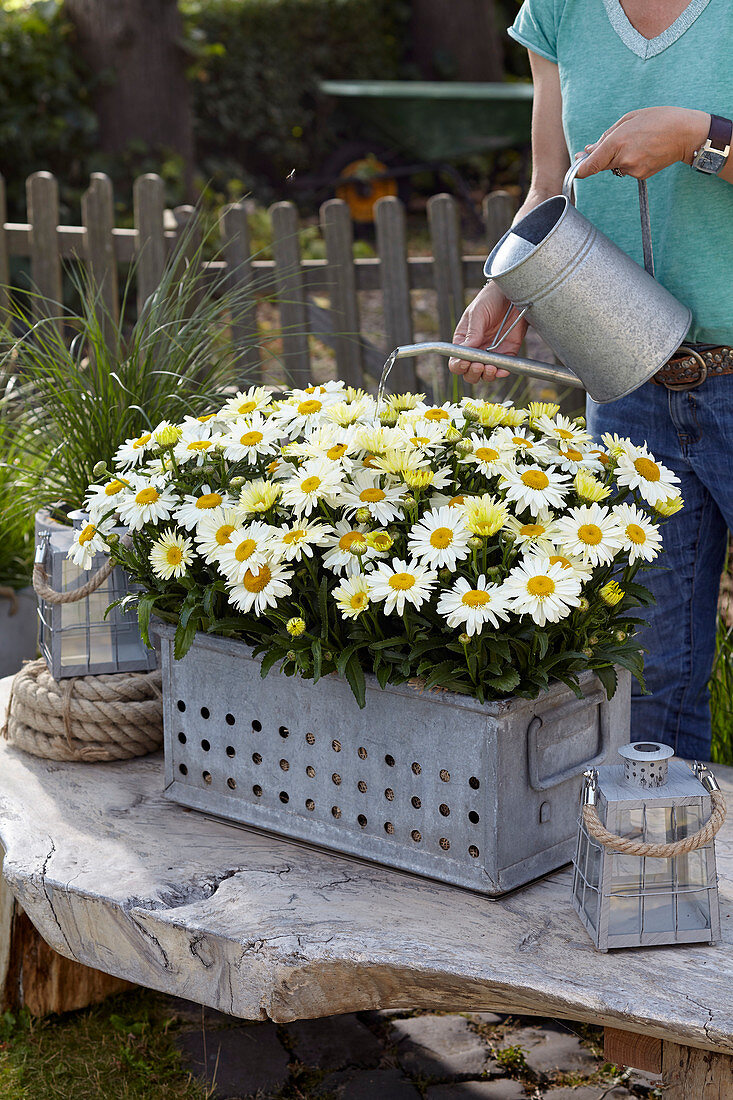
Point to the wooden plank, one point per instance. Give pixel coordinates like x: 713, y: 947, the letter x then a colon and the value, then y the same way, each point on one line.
x: 237, y: 249
x: 4, y: 254
x: 692, y: 1074
x: 499, y: 208
x: 445, y: 233
x: 98, y: 215
x: 630, y: 1048
x: 338, y: 235
x: 187, y: 232
x: 148, y: 198
x: 290, y: 293
x: 320, y: 321
x: 391, y: 225
x: 42, y: 195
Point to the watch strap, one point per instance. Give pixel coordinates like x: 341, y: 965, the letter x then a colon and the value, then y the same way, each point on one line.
x: 720, y: 133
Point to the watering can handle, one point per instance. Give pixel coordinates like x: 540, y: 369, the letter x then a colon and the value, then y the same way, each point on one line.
x: 646, y: 226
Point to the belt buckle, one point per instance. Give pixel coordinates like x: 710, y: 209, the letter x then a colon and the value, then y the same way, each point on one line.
x: 681, y: 386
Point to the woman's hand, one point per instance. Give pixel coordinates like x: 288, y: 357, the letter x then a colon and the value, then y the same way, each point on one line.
x: 646, y: 141
x: 477, y: 328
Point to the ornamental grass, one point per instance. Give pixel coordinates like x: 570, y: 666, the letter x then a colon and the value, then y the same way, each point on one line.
x: 473, y: 546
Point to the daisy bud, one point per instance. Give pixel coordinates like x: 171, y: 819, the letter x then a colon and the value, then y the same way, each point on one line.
x: 493, y: 574
x: 327, y: 655
x: 620, y: 635
x: 237, y: 483
x: 408, y: 502
x: 593, y: 640
x: 612, y: 593
x: 363, y: 515
x: 464, y: 447
x: 100, y: 469
x: 357, y: 547
x: 295, y: 627
x: 580, y: 421
x: 168, y: 436
x: 379, y: 540
x: 587, y: 652
x: 583, y: 605
x: 470, y: 413
x: 475, y: 543
x: 509, y: 537
x: 452, y: 435
x: 464, y: 639
x: 669, y: 507
x: 290, y: 655
x: 590, y: 488
x: 388, y: 417
x: 445, y: 575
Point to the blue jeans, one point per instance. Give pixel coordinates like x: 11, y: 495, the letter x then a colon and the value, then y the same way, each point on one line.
x: 691, y: 432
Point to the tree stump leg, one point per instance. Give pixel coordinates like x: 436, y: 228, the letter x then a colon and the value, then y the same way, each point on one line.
x: 688, y: 1073
x: 34, y: 976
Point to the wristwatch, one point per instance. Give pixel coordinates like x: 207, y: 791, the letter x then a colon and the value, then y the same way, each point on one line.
x: 711, y: 158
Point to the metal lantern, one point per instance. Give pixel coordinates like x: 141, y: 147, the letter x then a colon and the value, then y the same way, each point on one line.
x: 644, y: 870
x: 75, y: 638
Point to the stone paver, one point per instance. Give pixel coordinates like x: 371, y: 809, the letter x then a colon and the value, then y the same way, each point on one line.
x: 505, y: 1089
x: 333, y: 1042
x: 375, y: 1084
x: 588, y: 1092
x: 238, y: 1061
x: 487, y: 1017
x: 551, y: 1049
x: 440, y: 1046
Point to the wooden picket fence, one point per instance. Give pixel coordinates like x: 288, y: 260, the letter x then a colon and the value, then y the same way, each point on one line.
x: 295, y: 281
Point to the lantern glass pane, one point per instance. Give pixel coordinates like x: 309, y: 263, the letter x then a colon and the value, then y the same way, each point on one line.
x: 73, y: 614
x: 693, y: 911
x: 692, y: 869
x: 629, y: 822
x: 658, y: 910
x: 659, y: 874
x: 659, y: 824
x: 73, y: 646
x: 624, y: 916
x: 101, y: 645
x: 98, y: 602
x: 625, y: 874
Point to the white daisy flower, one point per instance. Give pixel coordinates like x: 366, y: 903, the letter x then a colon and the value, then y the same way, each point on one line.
x: 447, y: 414
x: 401, y: 583
x: 441, y: 500
x: 317, y: 479
x: 570, y: 458
x: 352, y: 596
x: 171, y: 554
x: 617, y: 445
x: 440, y: 538
x: 294, y: 543
x: 195, y: 506
x: 300, y: 414
x: 195, y: 444
x: 562, y: 428
x: 146, y: 500
x: 258, y: 496
x: 250, y: 440
x: 348, y: 548
x: 473, y: 607
x: 248, y: 549
x: 400, y: 460
x: 345, y: 413
x: 377, y: 439
x: 214, y: 531
x: 425, y: 435
x: 590, y: 532
x: 167, y: 434
x: 246, y: 402
x: 538, y: 536
x: 578, y: 568
x: 133, y: 451
x: 544, y: 591
x: 488, y: 459
x: 261, y: 589
x: 640, y: 537
x: 535, y: 488
x: 88, y: 542
x: 102, y: 499
x: 637, y: 469
x: 520, y: 444
x: 364, y: 491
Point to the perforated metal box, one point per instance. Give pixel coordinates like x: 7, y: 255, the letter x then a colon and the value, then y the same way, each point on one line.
x: 480, y: 796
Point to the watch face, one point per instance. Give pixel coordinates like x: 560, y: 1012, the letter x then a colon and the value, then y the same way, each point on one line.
x: 709, y: 161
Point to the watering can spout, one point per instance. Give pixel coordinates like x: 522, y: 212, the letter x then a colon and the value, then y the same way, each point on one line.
x: 547, y: 372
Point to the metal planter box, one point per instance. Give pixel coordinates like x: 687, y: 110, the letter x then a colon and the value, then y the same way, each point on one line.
x: 483, y: 796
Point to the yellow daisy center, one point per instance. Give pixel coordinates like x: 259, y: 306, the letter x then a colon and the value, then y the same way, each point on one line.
x: 337, y: 451
x: 174, y: 555
x: 572, y: 453
x: 475, y: 597
x: 307, y: 408
x: 294, y: 536
x: 420, y: 440
x: 456, y: 501
x: 372, y: 496
x: 532, y: 529
x: 358, y: 601
x: 603, y: 458
x: 382, y: 542
x: 246, y: 407
x: 311, y: 484
x: 347, y: 541
x: 205, y: 417
x: 368, y: 460
x: 636, y: 533
x: 486, y: 454
x: 256, y: 583
x: 520, y: 441
x: 437, y: 414
x: 209, y: 500
x: 245, y: 549
x: 648, y: 469
x: 564, y: 433
x: 540, y: 586
x: 87, y: 534
x: 590, y: 533
x: 199, y: 445
x: 401, y: 582
x: 251, y: 439
x: 535, y: 479
x: 224, y: 533
x: 273, y: 466
x: 441, y: 537
x: 142, y: 440
x: 147, y: 496
x: 113, y: 487
x: 559, y: 559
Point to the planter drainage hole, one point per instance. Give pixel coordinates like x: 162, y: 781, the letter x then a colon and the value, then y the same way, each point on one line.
x: 206, y: 776
x: 473, y: 851
x: 474, y: 783
x: 231, y: 784
x: 183, y: 769
x: 336, y: 811
x: 182, y: 738
x: 416, y: 768
x: 284, y: 731
x: 310, y: 804
x: 284, y: 765
x: 181, y: 705
x: 205, y: 745
x: 362, y: 786
x: 336, y: 778
x: 445, y: 776
x: 310, y: 772
x: 444, y: 843
x: 445, y: 810
x: 362, y: 820
x: 416, y: 836
x: 389, y: 761
x: 389, y: 827
x: 257, y: 789
x: 256, y: 758
x: 473, y: 817
x: 389, y: 794
x: 284, y: 796
x: 257, y: 726
x: 310, y: 738
x: 229, y: 719
x: 336, y: 746
x: 231, y: 751
x: 362, y: 753
x: 205, y: 712
x: 416, y: 802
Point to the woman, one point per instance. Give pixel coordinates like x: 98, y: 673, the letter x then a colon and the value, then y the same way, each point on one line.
x: 639, y: 85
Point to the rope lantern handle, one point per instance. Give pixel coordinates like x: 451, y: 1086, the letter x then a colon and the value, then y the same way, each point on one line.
x: 44, y: 590
x: 630, y: 847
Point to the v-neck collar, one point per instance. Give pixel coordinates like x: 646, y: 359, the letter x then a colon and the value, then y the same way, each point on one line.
x: 650, y: 47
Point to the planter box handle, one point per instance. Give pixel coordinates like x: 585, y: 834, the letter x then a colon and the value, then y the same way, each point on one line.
x: 544, y: 783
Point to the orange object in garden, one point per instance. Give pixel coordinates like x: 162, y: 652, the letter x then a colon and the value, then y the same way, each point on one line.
x: 373, y: 182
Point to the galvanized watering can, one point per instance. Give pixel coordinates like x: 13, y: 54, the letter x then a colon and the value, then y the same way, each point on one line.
x: 602, y: 314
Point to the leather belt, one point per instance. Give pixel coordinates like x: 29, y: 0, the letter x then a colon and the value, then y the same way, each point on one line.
x: 689, y: 367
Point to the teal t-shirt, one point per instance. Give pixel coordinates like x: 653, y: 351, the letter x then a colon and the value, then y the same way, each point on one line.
x: 606, y: 69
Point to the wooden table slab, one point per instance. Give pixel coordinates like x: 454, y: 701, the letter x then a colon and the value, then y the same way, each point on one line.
x: 115, y: 876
